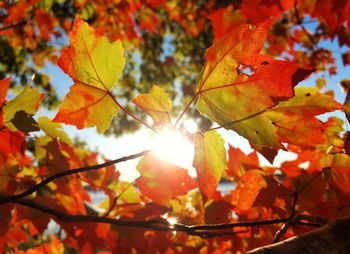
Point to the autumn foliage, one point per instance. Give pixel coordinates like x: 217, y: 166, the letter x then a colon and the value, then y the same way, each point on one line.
x: 258, y: 54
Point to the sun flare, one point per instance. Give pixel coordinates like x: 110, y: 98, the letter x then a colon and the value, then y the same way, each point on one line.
x: 173, y: 145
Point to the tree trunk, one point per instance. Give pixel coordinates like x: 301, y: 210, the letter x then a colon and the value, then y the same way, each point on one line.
x: 332, y: 238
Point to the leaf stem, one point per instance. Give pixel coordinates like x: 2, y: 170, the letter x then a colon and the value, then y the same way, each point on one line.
x: 131, y: 114
x: 186, y: 108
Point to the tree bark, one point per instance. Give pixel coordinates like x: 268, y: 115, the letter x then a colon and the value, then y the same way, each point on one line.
x: 332, y: 238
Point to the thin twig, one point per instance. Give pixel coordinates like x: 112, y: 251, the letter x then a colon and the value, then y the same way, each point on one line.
x: 309, y: 224
x: 21, y: 23
x: 68, y: 172
x: 301, y: 219
x: 282, y: 231
x: 300, y: 23
x: 185, y: 109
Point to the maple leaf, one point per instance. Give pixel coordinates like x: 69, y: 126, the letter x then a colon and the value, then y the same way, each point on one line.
x: 157, y: 104
x: 251, y: 183
x: 235, y: 99
x: 259, y: 10
x: 28, y: 101
x: 224, y: 20
x: 54, y: 130
x: 46, y: 23
x: 209, y: 161
x: 95, y: 65
x: 307, y: 101
x: 295, y: 118
x: 217, y: 211
x: 159, y: 175
x: 56, y: 160
x: 238, y: 162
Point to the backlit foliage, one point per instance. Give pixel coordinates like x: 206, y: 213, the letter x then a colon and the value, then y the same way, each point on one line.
x: 233, y: 65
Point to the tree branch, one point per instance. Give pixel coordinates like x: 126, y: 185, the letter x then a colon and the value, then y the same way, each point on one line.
x: 333, y: 238
x: 4, y: 199
x: 301, y: 219
x: 160, y: 224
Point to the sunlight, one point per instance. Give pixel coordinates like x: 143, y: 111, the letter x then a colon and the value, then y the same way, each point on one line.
x: 171, y: 220
x: 173, y: 146
x: 169, y: 144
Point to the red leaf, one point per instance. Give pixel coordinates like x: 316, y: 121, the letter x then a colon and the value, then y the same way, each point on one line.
x: 4, y: 86
x: 45, y: 23
x: 259, y: 11
x: 148, y: 19
x: 224, y: 20
x: 239, y: 163
x: 217, y: 212
x: 251, y: 184
x: 161, y: 181
x: 56, y: 161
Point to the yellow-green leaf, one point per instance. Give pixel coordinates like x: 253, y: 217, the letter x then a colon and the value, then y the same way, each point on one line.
x: 295, y: 118
x: 157, y: 104
x: 308, y: 101
x: 95, y: 65
x: 28, y: 101
x: 209, y: 161
x: 238, y: 84
x: 54, y: 130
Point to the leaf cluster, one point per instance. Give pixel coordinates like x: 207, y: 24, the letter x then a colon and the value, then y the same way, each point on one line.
x: 242, y: 87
